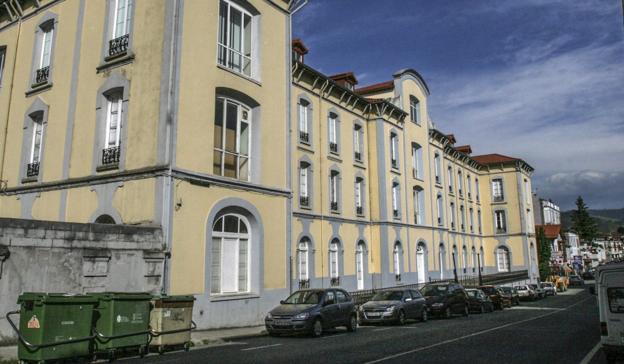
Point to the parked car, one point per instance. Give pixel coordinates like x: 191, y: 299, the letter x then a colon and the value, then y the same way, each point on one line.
x: 539, y: 291
x: 445, y: 299
x: 479, y: 301
x: 549, y: 289
x: 498, y: 299
x: 610, y: 290
x: 515, y: 297
x: 396, y: 306
x: 312, y: 311
x: 526, y: 292
x: 587, y: 276
x: 576, y: 281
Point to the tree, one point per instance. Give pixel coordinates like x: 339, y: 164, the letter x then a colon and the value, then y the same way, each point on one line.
x: 543, y: 254
x: 620, y: 230
x: 583, y: 224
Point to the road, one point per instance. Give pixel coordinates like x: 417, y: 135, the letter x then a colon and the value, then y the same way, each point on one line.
x: 561, y: 329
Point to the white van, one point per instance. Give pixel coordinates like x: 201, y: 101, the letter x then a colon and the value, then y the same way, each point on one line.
x: 610, y: 291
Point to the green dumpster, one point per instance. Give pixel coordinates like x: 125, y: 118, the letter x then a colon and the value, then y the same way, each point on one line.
x: 171, y: 321
x: 121, y: 322
x: 54, y: 326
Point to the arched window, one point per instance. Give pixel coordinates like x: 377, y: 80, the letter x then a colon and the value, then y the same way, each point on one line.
x: 334, y: 262
x: 414, y: 110
x: 304, y: 121
x: 396, y: 254
x: 394, y: 150
x: 359, y: 264
x: 502, y: 258
x: 450, y: 179
x: 105, y: 219
x: 303, y: 251
x: 417, y: 161
x: 230, y: 254
x: 438, y: 168
x: 421, y: 262
x: 474, y: 259
x: 464, y: 258
x: 232, y: 141
x: 442, y: 259
x: 396, y: 212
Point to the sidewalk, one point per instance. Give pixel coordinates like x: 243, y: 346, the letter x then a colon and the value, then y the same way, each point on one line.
x: 199, y: 338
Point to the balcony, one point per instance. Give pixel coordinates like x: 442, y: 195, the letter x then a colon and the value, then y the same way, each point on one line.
x: 440, y: 221
x: 333, y: 147
x: 334, y: 206
x: 453, y: 225
x: 461, y: 193
x: 498, y: 198
x: 397, y: 277
x: 437, y: 179
x: 42, y: 75
x: 395, y: 164
x: 118, y: 46
x: 32, y: 169
x: 395, y: 214
x: 335, y: 281
x: 450, y: 188
x: 304, y: 284
x: 463, y: 228
x: 304, y: 137
x: 357, y: 156
x: 501, y: 230
x: 110, y: 156
x: 304, y: 201
x: 469, y: 195
x: 359, y: 210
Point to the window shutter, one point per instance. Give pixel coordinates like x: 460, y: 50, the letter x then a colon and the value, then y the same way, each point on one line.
x: 243, y: 265
x: 215, y: 285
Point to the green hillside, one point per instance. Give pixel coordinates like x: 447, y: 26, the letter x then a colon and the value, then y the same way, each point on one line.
x: 608, y: 220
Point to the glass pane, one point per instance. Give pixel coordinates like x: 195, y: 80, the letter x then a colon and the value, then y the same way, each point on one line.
x: 46, y: 48
x: 235, y: 29
x: 242, y: 265
x: 218, y: 132
x: 215, y: 281
x: 247, y: 27
x: 243, y: 227
x: 223, y: 13
x: 229, y: 272
x: 121, y: 19
x: 218, y: 226
x: 230, y: 125
x: 243, y: 169
x: 244, y: 138
x: 217, y: 163
x: 229, y: 165
x: 246, y: 66
x: 231, y: 224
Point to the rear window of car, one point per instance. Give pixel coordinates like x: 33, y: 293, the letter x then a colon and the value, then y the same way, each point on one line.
x: 473, y: 293
x: 433, y: 290
x: 388, y: 296
x: 489, y: 290
x: 616, y: 299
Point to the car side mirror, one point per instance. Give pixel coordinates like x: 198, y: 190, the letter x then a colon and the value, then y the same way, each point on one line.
x: 282, y: 302
x: 592, y: 290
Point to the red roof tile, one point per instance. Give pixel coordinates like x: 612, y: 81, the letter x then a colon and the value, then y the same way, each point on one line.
x: 464, y: 149
x: 383, y: 86
x: 346, y: 76
x: 550, y: 231
x: 494, y: 158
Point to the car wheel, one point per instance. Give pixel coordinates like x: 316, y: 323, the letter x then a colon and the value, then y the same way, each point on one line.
x: 447, y: 313
x: 425, y: 316
x: 482, y: 308
x: 466, y: 311
x: 352, y: 326
x: 317, y: 328
x: 401, y: 318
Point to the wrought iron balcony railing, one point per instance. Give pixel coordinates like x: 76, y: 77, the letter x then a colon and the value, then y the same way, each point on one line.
x: 333, y: 147
x: 110, y: 155
x: 395, y: 163
x: 32, y: 169
x: 359, y: 210
x: 498, y: 198
x: 501, y: 230
x: 304, y: 137
x: 397, y: 277
x: 335, y: 281
x: 43, y: 74
x: 304, y: 200
x: 304, y: 283
x: 358, y: 156
x: 118, y: 45
x: 334, y: 206
x: 395, y: 213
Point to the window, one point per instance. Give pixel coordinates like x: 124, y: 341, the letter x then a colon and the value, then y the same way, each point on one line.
x: 471, y: 220
x: 499, y: 221
x: 421, y: 262
x: 497, y: 190
x: 419, y: 205
x: 417, y: 161
x: 32, y: 169
x: 414, y: 110
x: 477, y: 189
x: 119, y: 38
x: 230, y: 258
x: 397, y: 252
x: 395, y: 200
x: 474, y: 258
x: 359, y: 264
x: 452, y: 216
x: 468, y: 186
x: 357, y: 142
x: 333, y: 133
x: 527, y: 191
x: 394, y: 150
x: 359, y: 208
x: 450, y: 179
x: 616, y: 299
x: 232, y: 141
x: 462, y: 213
x: 464, y: 258
x: 334, y: 262
x: 303, y: 258
x: 529, y: 221
x: 43, y: 52
x: 334, y: 190
x: 479, y: 220
x: 440, y: 207
x: 502, y: 259
x: 442, y: 258
x: 304, y: 121
x: 304, y: 184
x: 460, y: 183
x: 438, y: 167
x: 2, y: 57
x: 235, y: 38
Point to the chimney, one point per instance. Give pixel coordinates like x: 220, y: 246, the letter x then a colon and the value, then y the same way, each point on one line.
x: 451, y: 138
x: 299, y: 50
x: 464, y: 149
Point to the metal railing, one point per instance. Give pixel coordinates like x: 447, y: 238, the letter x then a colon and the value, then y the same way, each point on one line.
x: 111, y: 155
x: 335, y: 282
x: 304, y: 136
x: 334, y: 206
x: 359, y: 210
x: 358, y: 156
x: 32, y: 169
x: 304, y: 200
x: 42, y: 75
x: 304, y: 284
x: 118, y: 45
x: 333, y: 147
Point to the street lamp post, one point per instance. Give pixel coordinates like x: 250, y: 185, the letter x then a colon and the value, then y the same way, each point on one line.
x: 479, y: 268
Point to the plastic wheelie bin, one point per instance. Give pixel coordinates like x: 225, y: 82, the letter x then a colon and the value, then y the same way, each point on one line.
x: 171, y: 322
x: 53, y: 326
x: 121, y: 323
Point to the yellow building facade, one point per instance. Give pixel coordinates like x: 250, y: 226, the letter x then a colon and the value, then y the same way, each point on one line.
x: 264, y: 174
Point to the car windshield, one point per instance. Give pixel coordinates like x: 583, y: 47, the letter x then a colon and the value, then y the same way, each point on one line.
x: 489, y: 290
x: 521, y: 288
x: 388, y: 296
x: 547, y: 285
x: 507, y: 289
x: 304, y: 297
x: 433, y: 290
x: 474, y: 294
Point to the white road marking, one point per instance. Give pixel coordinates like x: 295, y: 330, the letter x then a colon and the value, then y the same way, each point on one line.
x: 394, y: 356
x: 536, y: 308
x: 591, y: 354
x: 261, y: 347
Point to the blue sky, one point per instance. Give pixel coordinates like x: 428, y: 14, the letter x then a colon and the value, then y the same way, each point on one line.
x: 542, y: 80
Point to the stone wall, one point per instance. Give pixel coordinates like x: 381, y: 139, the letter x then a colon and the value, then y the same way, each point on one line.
x: 63, y: 257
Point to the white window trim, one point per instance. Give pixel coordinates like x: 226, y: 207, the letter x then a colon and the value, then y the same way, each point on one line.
x: 239, y: 119
x: 37, y: 125
x: 228, y: 48
x: 109, y: 107
x: 334, y: 252
x: 304, y: 251
x: 234, y: 236
x: 126, y: 21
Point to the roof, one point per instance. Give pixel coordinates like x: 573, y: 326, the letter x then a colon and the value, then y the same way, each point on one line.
x: 382, y: 86
x: 494, y: 159
x: 451, y: 138
x: 464, y: 149
x: 298, y: 46
x: 550, y: 231
x: 346, y: 76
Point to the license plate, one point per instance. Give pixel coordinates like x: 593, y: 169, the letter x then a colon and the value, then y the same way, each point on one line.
x: 281, y: 323
x: 373, y: 314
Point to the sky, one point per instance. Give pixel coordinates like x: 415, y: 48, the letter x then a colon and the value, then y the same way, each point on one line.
x: 541, y: 80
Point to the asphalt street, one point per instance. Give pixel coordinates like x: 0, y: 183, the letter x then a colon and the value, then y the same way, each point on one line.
x: 561, y: 329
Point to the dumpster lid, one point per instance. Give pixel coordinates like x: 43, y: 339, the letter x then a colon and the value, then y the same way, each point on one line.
x: 123, y: 296
x: 55, y: 298
x: 175, y: 298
